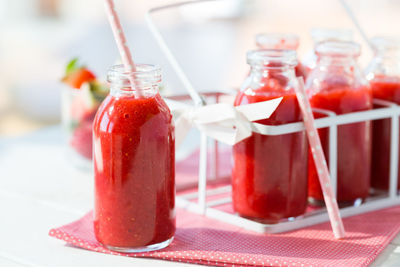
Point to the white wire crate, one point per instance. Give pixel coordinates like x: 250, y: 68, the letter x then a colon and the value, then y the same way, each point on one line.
x: 216, y: 202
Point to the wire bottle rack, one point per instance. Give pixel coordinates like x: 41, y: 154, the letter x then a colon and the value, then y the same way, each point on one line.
x: 215, y: 202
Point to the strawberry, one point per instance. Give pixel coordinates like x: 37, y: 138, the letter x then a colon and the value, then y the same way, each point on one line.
x: 76, y: 75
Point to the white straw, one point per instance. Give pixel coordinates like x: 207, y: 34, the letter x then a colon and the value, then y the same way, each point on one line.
x: 320, y: 161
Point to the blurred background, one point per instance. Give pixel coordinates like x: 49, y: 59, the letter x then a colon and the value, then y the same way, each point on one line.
x: 39, y: 37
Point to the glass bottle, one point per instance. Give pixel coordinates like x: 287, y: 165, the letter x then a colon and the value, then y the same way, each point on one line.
x: 321, y: 35
x: 269, y: 177
x: 337, y: 84
x: 383, y: 74
x: 134, y: 157
x: 281, y: 41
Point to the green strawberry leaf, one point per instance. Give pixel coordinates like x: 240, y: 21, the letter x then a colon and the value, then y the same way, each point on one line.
x: 98, y: 90
x: 72, y: 66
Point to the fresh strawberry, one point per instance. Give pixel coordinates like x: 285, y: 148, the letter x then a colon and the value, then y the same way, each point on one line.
x: 76, y: 75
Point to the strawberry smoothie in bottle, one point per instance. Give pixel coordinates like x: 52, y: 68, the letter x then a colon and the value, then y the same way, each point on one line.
x: 134, y: 163
x: 383, y: 74
x: 336, y: 84
x: 269, y: 177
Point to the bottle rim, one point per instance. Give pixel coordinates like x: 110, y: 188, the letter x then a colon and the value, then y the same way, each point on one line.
x: 265, y: 57
x: 331, y: 34
x: 384, y: 43
x: 145, y: 74
x: 284, y: 41
x: 338, y: 49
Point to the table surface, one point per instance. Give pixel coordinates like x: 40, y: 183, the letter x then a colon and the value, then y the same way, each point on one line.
x: 39, y: 190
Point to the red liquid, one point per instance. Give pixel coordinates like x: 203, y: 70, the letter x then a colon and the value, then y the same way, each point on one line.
x: 269, y: 177
x: 81, y: 139
x: 354, y: 143
x: 386, y: 89
x: 134, y: 172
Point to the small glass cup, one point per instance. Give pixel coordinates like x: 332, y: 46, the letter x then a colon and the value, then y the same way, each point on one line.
x: 79, y: 107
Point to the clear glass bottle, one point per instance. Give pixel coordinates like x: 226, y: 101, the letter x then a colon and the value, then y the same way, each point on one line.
x: 78, y: 108
x: 337, y: 84
x: 321, y: 35
x: 269, y: 177
x: 281, y: 41
x: 383, y: 73
x: 134, y: 164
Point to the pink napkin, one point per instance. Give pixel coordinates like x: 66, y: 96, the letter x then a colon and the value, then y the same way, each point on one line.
x: 187, y: 170
x: 206, y: 241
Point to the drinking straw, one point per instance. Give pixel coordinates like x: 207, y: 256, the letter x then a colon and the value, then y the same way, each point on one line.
x: 320, y: 161
x: 356, y: 23
x: 120, y: 39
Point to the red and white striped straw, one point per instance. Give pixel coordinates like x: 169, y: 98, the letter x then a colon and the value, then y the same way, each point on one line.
x: 120, y: 39
x: 320, y: 161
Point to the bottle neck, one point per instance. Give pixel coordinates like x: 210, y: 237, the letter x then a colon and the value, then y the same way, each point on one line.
x: 336, y: 61
x: 384, y: 64
x: 386, y: 49
x: 264, y: 79
x: 270, y: 71
x: 119, y: 90
x: 391, y: 57
x: 272, y: 62
x: 337, y: 54
x: 143, y: 83
x: 332, y: 72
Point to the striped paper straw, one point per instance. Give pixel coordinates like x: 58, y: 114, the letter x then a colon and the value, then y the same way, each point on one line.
x: 120, y: 39
x: 320, y: 161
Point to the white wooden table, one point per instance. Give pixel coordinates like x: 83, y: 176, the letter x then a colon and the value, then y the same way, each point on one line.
x: 39, y: 190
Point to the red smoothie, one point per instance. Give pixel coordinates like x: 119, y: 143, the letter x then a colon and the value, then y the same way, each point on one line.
x: 354, y: 142
x: 269, y: 177
x: 134, y: 172
x: 388, y: 89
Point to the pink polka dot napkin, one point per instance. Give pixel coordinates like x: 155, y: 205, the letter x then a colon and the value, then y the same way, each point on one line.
x: 206, y: 241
